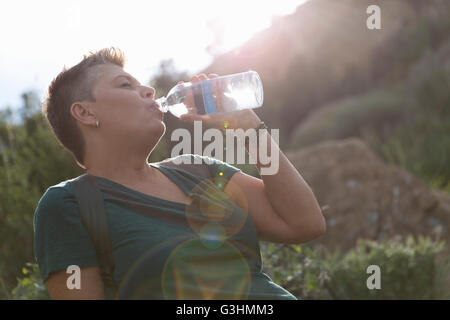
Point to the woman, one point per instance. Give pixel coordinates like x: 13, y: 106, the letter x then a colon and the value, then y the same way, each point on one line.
x: 110, y: 123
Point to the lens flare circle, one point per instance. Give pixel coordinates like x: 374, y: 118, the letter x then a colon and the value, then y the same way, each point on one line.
x: 128, y: 288
x: 213, y: 205
x: 212, y: 235
x: 191, y: 272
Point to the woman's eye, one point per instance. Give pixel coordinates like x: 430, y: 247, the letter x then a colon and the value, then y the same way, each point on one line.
x: 126, y: 84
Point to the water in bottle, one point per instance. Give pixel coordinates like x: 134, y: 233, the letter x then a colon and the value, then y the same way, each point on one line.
x: 218, y: 95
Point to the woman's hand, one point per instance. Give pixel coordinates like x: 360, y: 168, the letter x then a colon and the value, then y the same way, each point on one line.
x: 244, y: 119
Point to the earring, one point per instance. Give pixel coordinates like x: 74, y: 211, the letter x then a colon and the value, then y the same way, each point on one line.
x: 96, y: 123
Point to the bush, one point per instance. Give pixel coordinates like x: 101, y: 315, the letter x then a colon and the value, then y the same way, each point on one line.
x: 379, y: 111
x: 31, y: 160
x: 410, y: 270
x: 407, y: 127
x: 30, y: 287
x: 429, y: 79
x: 421, y: 148
x: 423, y: 145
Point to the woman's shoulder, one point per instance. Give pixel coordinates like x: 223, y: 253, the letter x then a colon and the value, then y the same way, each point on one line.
x: 218, y: 170
x: 59, y: 190
x: 187, y: 158
x: 190, y: 158
x: 57, y: 197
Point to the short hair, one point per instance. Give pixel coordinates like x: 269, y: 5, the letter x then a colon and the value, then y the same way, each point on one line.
x: 72, y: 85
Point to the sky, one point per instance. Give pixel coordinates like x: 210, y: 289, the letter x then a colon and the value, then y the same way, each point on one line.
x: 39, y: 38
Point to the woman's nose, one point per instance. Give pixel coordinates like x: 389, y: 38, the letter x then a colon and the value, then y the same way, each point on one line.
x: 148, y: 92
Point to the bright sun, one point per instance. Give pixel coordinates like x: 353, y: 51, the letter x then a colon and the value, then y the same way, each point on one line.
x: 238, y: 20
x: 148, y: 32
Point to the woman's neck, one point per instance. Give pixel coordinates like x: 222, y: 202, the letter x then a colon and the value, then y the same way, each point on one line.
x: 126, y: 166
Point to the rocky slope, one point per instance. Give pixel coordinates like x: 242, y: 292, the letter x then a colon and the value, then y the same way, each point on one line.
x: 361, y: 197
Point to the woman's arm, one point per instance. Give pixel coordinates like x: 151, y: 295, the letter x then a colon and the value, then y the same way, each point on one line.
x: 282, y: 205
x: 91, y: 285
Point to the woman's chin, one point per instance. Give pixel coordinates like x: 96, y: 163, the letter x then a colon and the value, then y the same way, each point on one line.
x: 159, y: 128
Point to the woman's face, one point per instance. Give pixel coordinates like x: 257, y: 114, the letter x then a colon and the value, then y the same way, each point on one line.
x: 124, y: 108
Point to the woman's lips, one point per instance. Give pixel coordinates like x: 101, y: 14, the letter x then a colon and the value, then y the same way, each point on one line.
x: 155, y: 106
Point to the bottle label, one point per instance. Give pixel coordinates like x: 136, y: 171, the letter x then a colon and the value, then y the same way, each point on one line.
x: 198, y: 99
x: 208, y: 99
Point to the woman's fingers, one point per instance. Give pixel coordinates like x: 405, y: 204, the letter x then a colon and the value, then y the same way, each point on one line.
x: 194, y: 79
x: 202, y: 76
x: 191, y: 114
x: 192, y: 110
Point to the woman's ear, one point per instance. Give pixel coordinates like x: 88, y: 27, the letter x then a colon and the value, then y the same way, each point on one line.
x: 81, y: 111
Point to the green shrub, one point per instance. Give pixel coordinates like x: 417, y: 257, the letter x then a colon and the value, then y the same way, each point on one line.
x: 410, y: 270
x: 297, y: 268
x: 30, y: 287
x: 422, y: 146
x: 31, y: 160
x: 428, y: 81
x: 379, y: 111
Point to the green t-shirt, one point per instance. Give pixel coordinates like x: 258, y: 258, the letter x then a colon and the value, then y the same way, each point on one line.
x: 162, y: 249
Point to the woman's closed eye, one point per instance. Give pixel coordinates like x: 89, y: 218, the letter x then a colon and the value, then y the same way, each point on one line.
x: 127, y: 84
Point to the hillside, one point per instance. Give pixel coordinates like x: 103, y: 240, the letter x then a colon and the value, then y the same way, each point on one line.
x: 324, y: 52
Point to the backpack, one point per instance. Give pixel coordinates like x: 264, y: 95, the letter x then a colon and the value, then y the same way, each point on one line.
x: 93, y: 216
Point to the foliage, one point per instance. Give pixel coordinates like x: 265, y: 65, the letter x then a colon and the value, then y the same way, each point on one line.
x: 31, y: 160
x: 166, y: 77
x: 421, y: 146
x: 409, y: 270
x: 297, y: 268
x: 379, y: 111
x: 413, y: 269
x: 407, y: 126
x: 30, y: 287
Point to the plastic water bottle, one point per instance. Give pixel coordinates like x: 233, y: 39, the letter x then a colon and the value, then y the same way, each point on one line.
x: 218, y: 95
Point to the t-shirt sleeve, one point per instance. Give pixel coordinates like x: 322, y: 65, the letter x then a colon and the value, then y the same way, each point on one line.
x: 221, y: 172
x: 60, y: 238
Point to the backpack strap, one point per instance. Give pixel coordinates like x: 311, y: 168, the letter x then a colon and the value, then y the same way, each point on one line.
x: 93, y: 216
